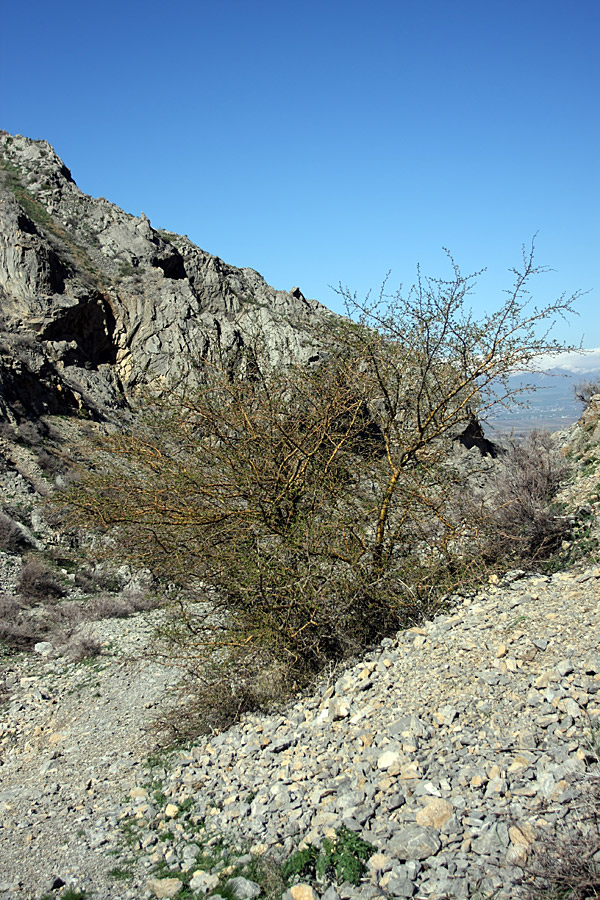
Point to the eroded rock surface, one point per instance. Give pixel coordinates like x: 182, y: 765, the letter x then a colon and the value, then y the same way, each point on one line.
x: 96, y: 302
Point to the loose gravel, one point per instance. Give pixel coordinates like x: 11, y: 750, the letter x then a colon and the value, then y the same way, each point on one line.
x: 450, y: 749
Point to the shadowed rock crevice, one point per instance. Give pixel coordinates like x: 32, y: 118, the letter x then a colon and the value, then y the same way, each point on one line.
x: 90, y: 326
x: 172, y: 266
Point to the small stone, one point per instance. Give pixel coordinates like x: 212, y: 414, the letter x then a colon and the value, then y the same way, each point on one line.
x: 496, y: 785
x: 435, y: 813
x: 388, y: 759
x: 44, y: 648
x: 171, y: 811
x: 565, y: 667
x: 572, y: 708
x: 478, y: 781
x: 592, y: 664
x: 136, y: 792
x: 164, y: 887
x: 242, y: 888
x: 339, y: 708
x: 280, y: 745
x: 545, y: 678
x: 400, y: 886
x: 379, y: 862
x: 521, y: 835
x: 330, y: 894
x: 446, y: 715
x: 303, y: 892
x: 414, y: 842
x: 516, y: 855
x: 203, y: 882
x: 259, y: 849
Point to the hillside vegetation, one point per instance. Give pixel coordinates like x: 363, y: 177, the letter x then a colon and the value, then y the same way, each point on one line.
x: 279, y: 541
x: 301, y: 513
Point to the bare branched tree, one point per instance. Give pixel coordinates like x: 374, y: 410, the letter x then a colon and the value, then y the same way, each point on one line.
x: 316, y: 508
x: 585, y: 390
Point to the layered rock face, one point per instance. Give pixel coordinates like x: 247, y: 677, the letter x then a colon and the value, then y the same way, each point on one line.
x: 95, y: 302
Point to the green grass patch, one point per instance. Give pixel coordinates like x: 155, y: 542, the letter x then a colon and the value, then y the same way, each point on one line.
x: 342, y: 858
x: 120, y: 874
x: 38, y: 214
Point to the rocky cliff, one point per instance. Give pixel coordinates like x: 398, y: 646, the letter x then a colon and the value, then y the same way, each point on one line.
x: 95, y: 302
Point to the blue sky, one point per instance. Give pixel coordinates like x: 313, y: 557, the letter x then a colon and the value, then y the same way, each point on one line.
x: 326, y: 142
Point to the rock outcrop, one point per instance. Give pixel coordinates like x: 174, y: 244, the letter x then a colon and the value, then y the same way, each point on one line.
x: 95, y: 302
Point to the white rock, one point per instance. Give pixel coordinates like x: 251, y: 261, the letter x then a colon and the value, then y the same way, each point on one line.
x: 204, y: 882
x: 388, y: 759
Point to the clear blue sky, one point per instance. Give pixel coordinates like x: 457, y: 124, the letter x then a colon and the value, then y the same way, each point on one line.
x: 320, y: 142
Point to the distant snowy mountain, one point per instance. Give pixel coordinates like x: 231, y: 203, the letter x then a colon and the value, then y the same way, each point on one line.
x: 551, y: 404
x: 575, y: 362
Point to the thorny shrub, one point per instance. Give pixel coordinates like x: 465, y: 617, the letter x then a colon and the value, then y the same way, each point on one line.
x: 565, y: 864
x: 524, y: 521
x: 12, y: 538
x: 302, y: 514
x: 38, y: 581
x: 585, y: 390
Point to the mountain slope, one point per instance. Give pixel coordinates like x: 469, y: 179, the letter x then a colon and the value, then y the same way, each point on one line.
x: 96, y: 302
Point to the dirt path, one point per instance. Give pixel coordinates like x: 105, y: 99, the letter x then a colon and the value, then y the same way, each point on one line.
x: 73, y: 738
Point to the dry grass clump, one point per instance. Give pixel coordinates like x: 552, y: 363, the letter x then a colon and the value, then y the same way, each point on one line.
x: 81, y: 646
x: 111, y: 606
x: 18, y: 631
x: 38, y: 581
x: 213, y: 700
x: 12, y: 538
x: 526, y: 524
x: 142, y: 602
x: 107, y: 606
x: 566, y: 865
x: 93, y: 580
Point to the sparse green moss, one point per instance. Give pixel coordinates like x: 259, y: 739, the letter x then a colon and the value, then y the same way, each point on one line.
x: 38, y: 214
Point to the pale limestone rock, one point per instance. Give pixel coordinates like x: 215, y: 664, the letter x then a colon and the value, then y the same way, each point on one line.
x: 164, y: 887
x: 136, y: 792
x: 388, y: 759
x: 414, y: 842
x: 203, y: 882
x: 435, y: 813
x: 98, y: 303
x: 243, y: 889
x: 303, y: 892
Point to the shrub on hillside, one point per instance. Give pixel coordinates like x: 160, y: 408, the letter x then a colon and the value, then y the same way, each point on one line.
x: 526, y: 523
x: 12, y: 538
x: 17, y: 630
x: 38, y: 581
x: 565, y: 863
x: 585, y: 390
x: 81, y: 646
x: 304, y: 513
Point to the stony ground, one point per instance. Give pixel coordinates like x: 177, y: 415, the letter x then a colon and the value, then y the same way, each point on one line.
x: 449, y: 749
x: 72, y: 739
